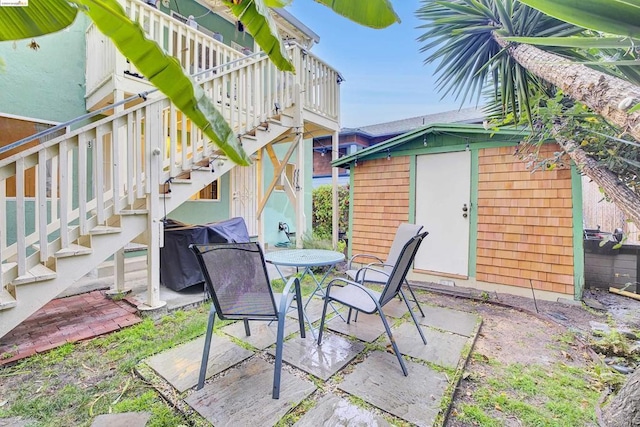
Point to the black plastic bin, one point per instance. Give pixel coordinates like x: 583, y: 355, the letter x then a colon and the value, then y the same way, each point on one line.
x: 179, y: 267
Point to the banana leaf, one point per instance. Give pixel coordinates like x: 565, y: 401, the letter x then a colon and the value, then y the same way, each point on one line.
x: 256, y: 17
x: 40, y: 17
x: 370, y: 13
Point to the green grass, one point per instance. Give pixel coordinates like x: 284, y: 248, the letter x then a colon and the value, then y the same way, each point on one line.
x: 72, y: 384
x: 536, y: 395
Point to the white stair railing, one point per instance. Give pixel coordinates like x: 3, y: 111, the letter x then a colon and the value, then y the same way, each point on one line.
x: 56, y: 192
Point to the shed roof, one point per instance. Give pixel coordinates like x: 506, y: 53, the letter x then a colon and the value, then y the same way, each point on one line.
x: 399, y: 140
x: 465, y: 115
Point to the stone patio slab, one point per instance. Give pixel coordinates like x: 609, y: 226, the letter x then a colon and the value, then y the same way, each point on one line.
x: 379, y: 381
x: 320, y: 360
x: 125, y: 419
x: 263, y: 334
x: 368, y: 327
x: 180, y: 366
x: 443, y: 348
x: 398, y: 308
x: 243, y: 396
x: 314, y: 310
x: 334, y: 411
x: 446, y: 319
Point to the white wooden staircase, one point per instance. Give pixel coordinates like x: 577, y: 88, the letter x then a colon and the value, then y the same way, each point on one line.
x: 75, y: 200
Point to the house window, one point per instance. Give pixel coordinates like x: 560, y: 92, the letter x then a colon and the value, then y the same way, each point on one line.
x: 210, y: 192
x: 289, y: 172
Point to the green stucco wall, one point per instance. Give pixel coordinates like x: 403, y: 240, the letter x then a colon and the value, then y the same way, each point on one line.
x: 47, y: 83
x: 279, y: 207
x: 210, y: 21
x: 206, y: 211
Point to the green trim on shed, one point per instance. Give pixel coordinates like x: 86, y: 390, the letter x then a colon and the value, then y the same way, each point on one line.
x: 578, y: 233
x: 473, y: 211
x: 412, y: 188
x: 350, y: 233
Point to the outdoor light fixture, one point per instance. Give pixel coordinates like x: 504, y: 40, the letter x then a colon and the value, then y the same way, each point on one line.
x: 424, y: 140
x: 388, y: 154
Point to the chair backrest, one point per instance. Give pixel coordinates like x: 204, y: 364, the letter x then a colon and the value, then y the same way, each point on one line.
x: 401, y: 268
x: 404, y: 232
x: 237, y: 280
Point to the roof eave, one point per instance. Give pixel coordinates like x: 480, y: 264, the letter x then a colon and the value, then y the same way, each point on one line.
x: 425, y: 130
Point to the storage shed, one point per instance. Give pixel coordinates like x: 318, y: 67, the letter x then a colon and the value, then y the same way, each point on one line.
x: 493, y: 223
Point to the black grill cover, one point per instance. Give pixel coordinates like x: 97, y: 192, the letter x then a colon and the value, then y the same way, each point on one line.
x: 179, y: 267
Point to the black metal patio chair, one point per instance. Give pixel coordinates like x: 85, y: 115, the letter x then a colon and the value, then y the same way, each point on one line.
x: 358, y: 297
x: 237, y: 280
x: 379, y: 270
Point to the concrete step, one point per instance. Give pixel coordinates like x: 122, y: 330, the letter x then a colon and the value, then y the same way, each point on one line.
x: 6, y: 300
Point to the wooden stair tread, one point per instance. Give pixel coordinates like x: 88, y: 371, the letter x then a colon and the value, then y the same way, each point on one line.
x: 6, y: 300
x: 73, y: 250
x: 106, y: 229
x: 38, y: 273
x: 6, y: 266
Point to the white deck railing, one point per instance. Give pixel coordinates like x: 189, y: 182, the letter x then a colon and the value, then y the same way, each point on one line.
x: 194, y: 49
x: 60, y: 189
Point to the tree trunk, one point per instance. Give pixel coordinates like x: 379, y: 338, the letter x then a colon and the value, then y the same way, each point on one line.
x: 624, y: 409
x: 623, y: 197
x: 606, y: 95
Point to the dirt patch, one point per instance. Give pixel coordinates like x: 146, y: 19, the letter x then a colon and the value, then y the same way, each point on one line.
x: 520, y: 331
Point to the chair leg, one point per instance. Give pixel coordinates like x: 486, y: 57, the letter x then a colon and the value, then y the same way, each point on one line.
x: 300, y: 310
x: 414, y: 298
x: 247, y: 330
x: 349, y: 315
x: 278, y: 368
x: 393, y: 342
x: 207, y: 346
x: 413, y: 316
x: 324, y: 313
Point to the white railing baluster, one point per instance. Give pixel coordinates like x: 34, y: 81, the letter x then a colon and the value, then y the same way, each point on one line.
x: 3, y: 225
x: 138, y: 155
x: 65, y: 194
x: 41, y: 203
x: 115, y: 167
x: 131, y: 158
x: 83, y: 146
x: 53, y: 191
x: 173, y: 138
x: 20, y: 218
x: 99, y: 173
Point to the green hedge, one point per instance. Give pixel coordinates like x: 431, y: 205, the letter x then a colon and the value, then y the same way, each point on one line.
x: 322, y: 210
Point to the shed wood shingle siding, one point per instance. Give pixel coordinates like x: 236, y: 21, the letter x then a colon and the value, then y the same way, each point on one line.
x: 524, y: 222
x: 381, y: 203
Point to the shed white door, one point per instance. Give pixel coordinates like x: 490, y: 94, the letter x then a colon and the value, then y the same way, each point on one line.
x: 443, y: 187
x: 244, y: 201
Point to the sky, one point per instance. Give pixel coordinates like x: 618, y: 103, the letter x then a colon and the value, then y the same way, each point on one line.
x: 385, y: 75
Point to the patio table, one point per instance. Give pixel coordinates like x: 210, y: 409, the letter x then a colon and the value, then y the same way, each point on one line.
x: 307, y: 259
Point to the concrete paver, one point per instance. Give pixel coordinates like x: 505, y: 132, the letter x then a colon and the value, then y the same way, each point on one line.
x: 243, y: 396
x: 333, y: 411
x: 180, y: 366
x: 379, y: 381
x: 320, y: 360
x: 124, y: 419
